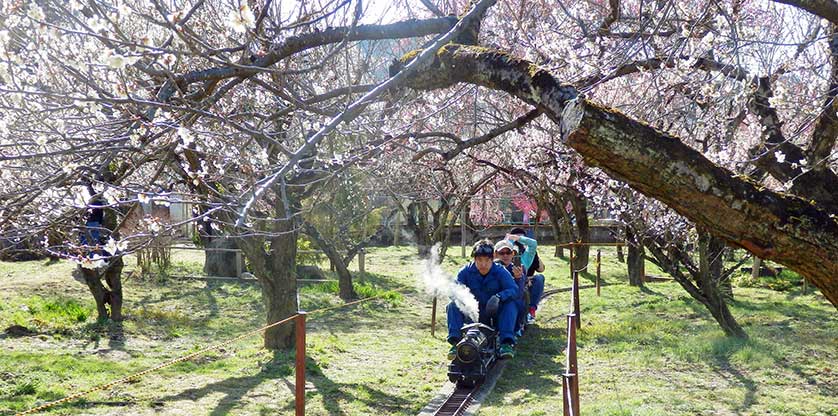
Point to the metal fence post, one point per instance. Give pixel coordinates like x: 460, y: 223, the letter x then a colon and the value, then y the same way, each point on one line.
x: 300, y: 387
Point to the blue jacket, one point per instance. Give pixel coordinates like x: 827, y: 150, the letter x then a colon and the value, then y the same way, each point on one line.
x: 497, y: 281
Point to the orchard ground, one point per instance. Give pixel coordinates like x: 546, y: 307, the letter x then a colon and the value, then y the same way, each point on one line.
x: 650, y: 351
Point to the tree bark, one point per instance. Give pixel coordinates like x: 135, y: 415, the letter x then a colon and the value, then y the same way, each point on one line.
x: 636, y: 263
x: 347, y: 292
x: 108, y: 298
x: 583, y: 233
x: 771, y: 225
x: 784, y: 228
x: 276, y: 270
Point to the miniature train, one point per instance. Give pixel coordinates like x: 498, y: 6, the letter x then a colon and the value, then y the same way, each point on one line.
x: 477, y: 352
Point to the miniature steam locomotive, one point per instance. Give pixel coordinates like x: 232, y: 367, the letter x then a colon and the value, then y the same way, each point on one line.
x: 477, y: 352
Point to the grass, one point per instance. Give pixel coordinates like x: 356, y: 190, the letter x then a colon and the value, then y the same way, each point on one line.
x: 641, y: 352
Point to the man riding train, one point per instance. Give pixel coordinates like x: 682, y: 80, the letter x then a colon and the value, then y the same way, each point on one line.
x: 492, y: 286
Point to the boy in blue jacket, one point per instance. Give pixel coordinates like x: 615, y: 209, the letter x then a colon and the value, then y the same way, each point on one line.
x: 486, y: 279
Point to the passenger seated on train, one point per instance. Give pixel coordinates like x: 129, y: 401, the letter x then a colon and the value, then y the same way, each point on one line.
x: 532, y: 264
x: 486, y: 279
x: 505, y: 253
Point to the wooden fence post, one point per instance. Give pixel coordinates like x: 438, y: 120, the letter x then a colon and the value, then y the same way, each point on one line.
x: 570, y: 262
x: 433, y: 317
x: 462, y: 235
x: 598, y: 267
x: 300, y: 386
x: 397, y: 228
x: 239, y: 265
x: 570, y: 379
x: 361, y: 261
x: 575, y: 294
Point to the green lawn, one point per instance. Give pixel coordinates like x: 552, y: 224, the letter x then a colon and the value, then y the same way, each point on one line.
x: 641, y: 352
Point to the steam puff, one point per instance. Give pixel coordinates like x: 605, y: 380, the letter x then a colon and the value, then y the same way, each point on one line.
x: 441, y: 285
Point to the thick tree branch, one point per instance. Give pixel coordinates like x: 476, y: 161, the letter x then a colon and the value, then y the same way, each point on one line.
x: 817, y: 184
x: 828, y: 9
x: 296, y: 44
x: 826, y: 129
x: 771, y: 225
x: 612, y: 17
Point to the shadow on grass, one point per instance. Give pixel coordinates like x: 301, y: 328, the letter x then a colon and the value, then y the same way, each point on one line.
x: 332, y: 394
x: 538, y: 365
x: 235, y: 388
x: 723, y: 348
x: 647, y: 290
x: 799, y: 310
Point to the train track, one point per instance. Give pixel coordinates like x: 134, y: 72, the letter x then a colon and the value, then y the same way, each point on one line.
x: 458, y: 401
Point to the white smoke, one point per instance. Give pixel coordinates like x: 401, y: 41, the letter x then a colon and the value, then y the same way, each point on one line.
x: 440, y: 285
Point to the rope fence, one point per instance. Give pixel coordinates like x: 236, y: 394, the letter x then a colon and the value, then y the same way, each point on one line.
x: 300, y: 317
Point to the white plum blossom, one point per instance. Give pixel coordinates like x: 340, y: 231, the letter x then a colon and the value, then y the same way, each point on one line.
x: 780, y: 156
x: 35, y: 12
x: 69, y: 167
x: 185, y: 136
x: 241, y: 19
x: 94, y: 262
x: 114, y: 246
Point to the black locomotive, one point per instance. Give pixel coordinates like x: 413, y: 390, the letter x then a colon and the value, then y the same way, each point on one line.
x: 477, y: 350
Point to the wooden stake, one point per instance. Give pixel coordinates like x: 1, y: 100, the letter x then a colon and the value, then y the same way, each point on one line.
x: 300, y: 386
x: 598, y: 267
x: 433, y: 317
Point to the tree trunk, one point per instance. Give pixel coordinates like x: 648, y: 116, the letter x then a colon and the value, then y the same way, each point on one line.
x: 636, y: 259
x: 800, y: 234
x: 620, y: 256
x: 709, y: 273
x: 417, y: 220
x: 347, y: 292
x: 580, y: 213
x: 276, y: 271
x: 108, y: 299
x: 701, y: 291
x: 553, y: 211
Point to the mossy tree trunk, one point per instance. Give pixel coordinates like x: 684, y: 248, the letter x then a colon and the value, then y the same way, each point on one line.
x: 579, y: 205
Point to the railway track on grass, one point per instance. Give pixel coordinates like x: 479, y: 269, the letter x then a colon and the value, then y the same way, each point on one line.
x: 458, y: 402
